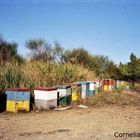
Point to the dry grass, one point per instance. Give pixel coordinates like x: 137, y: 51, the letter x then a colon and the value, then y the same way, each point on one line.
x: 123, y: 98
x: 40, y: 74
x: 137, y: 86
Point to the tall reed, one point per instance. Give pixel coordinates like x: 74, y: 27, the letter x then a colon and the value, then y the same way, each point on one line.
x: 39, y: 74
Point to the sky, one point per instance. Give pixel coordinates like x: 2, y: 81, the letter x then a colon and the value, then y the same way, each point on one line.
x: 103, y: 27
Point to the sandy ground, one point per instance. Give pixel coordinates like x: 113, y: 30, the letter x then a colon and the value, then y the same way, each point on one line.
x: 74, y: 124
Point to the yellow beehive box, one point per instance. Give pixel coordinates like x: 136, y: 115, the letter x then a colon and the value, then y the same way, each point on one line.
x: 15, y: 106
x: 76, y: 91
x: 106, y: 88
x: 76, y: 96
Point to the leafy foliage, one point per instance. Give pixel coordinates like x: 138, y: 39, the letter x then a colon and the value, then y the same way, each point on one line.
x: 77, y: 56
x: 131, y: 70
x: 8, y: 52
x: 40, y: 50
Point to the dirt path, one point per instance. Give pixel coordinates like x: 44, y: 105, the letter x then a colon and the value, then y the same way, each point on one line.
x: 74, y: 124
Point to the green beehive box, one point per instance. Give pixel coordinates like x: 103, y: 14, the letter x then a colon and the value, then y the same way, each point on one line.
x: 64, y: 95
x: 64, y: 101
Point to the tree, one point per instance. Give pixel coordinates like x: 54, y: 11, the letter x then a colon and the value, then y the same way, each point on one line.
x: 40, y: 50
x: 58, y: 52
x: 78, y: 56
x: 103, y: 67
x: 131, y: 70
x: 123, y: 72
x: 113, y: 71
x: 8, y: 52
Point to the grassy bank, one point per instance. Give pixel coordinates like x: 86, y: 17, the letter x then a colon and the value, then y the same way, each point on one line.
x: 116, y: 98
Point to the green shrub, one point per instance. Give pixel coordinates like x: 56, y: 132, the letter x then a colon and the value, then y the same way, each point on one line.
x: 120, y: 89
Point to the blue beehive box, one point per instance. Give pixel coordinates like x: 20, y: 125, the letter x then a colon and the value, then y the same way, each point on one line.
x: 91, y: 90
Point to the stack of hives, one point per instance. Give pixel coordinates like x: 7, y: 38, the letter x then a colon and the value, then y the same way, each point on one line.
x: 108, y: 84
x: 94, y: 87
x: 122, y: 84
x: 84, y: 88
x: 75, y: 91
x: 18, y: 99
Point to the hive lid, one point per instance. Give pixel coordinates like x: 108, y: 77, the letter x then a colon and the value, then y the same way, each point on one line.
x: 81, y: 82
x: 62, y: 86
x: 18, y: 89
x: 71, y: 84
x: 46, y: 89
x: 92, y: 82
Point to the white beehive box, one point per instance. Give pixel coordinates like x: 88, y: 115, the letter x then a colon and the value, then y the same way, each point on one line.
x: 45, y: 98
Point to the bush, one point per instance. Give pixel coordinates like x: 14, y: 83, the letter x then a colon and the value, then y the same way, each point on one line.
x: 120, y: 89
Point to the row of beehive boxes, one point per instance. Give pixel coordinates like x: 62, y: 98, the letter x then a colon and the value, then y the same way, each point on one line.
x: 48, y: 98
x: 108, y: 84
x: 89, y: 88
x: 44, y: 98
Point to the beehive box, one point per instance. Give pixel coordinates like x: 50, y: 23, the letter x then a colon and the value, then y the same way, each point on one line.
x: 45, y: 98
x: 64, y: 95
x: 108, y: 85
x: 97, y: 87
x: 76, y: 91
x: 122, y: 84
x: 85, y: 88
x: 18, y: 99
x: 2, y: 102
x: 106, y: 88
x: 112, y: 84
x: 91, y: 90
x: 100, y: 86
x: 118, y: 83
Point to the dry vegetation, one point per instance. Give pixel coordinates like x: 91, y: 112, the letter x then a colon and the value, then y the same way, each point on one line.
x: 114, y: 98
x: 40, y: 74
